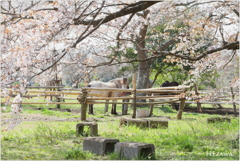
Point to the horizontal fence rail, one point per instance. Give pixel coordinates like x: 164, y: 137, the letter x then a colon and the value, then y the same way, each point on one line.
x: 154, y: 96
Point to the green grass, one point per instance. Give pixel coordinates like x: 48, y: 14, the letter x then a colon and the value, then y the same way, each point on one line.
x: 191, y: 138
x: 47, y: 112
x: 45, y: 100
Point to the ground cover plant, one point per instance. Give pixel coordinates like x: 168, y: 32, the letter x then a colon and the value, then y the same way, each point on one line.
x: 53, y: 43
x: 188, y: 139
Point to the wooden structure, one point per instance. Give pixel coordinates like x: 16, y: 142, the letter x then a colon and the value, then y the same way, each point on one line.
x: 57, y: 84
x: 218, y: 98
x: 162, y: 95
x: 156, y: 96
x: 85, y: 97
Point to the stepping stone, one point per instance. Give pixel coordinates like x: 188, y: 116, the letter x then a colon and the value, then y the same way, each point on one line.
x: 92, y: 125
x: 154, y: 123
x: 144, y: 123
x: 137, y: 122
x: 99, y: 145
x: 133, y: 150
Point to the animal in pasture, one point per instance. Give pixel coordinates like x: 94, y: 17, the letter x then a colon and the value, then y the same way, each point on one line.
x: 115, y: 83
x: 50, y: 83
x: 171, y: 84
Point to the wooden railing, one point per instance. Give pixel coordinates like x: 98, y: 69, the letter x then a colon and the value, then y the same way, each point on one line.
x: 163, y: 95
x: 218, y: 98
x: 155, y: 96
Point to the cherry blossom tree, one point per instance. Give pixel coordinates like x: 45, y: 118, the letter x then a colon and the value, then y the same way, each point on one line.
x: 32, y: 29
x: 38, y: 35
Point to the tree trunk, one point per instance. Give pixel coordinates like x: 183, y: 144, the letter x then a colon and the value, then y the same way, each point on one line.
x: 144, y: 66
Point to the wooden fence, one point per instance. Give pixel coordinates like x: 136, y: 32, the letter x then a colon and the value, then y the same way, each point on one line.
x: 218, y: 98
x: 163, y: 95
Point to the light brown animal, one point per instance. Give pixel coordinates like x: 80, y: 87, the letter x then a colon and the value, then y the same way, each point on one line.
x: 115, y: 83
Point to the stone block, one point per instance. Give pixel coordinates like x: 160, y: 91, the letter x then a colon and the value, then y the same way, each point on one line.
x: 154, y: 123
x: 93, y: 126
x: 99, y: 145
x: 137, y: 122
x: 135, y: 150
x: 142, y: 113
x: 218, y: 119
x: 144, y: 123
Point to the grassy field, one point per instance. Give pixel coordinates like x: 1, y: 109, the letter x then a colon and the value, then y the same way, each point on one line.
x: 191, y: 138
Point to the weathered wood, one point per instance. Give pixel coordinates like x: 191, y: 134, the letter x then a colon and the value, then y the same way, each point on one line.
x: 134, y: 83
x: 219, y: 105
x: 58, y: 99
x: 24, y: 96
x: 234, y: 105
x: 83, y: 97
x: 151, y: 110
x: 206, y: 102
x: 70, y: 89
x: 107, y: 89
x: 137, y: 97
x: 181, y: 108
x: 106, y: 106
x: 138, y: 103
x: 30, y: 87
x: 67, y: 98
x: 159, y: 91
x: 199, y: 107
x: 55, y: 92
x: 167, y: 88
x: 84, y: 106
x: 46, y: 103
x: 125, y: 106
x: 132, y: 90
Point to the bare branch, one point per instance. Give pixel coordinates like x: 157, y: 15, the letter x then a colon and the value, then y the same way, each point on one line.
x: 167, y: 44
x: 83, y: 11
x: 47, y: 9
x: 49, y: 67
x: 81, y: 37
x: 157, y: 54
x: 185, y: 4
x: 228, y: 46
x: 236, y: 12
x: 132, y: 8
x: 124, y: 25
x: 4, y: 9
x: 234, y: 53
x: 31, y: 6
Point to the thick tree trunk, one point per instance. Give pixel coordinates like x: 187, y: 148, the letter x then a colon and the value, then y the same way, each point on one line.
x: 144, y: 66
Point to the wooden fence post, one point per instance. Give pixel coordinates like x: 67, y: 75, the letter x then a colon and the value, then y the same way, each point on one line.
x: 134, y: 95
x: 151, y: 106
x: 181, y: 108
x: 151, y: 109
x: 106, y: 106
x: 125, y: 107
x: 199, y: 107
x: 58, y: 99
x: 234, y: 105
x: 84, y: 105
